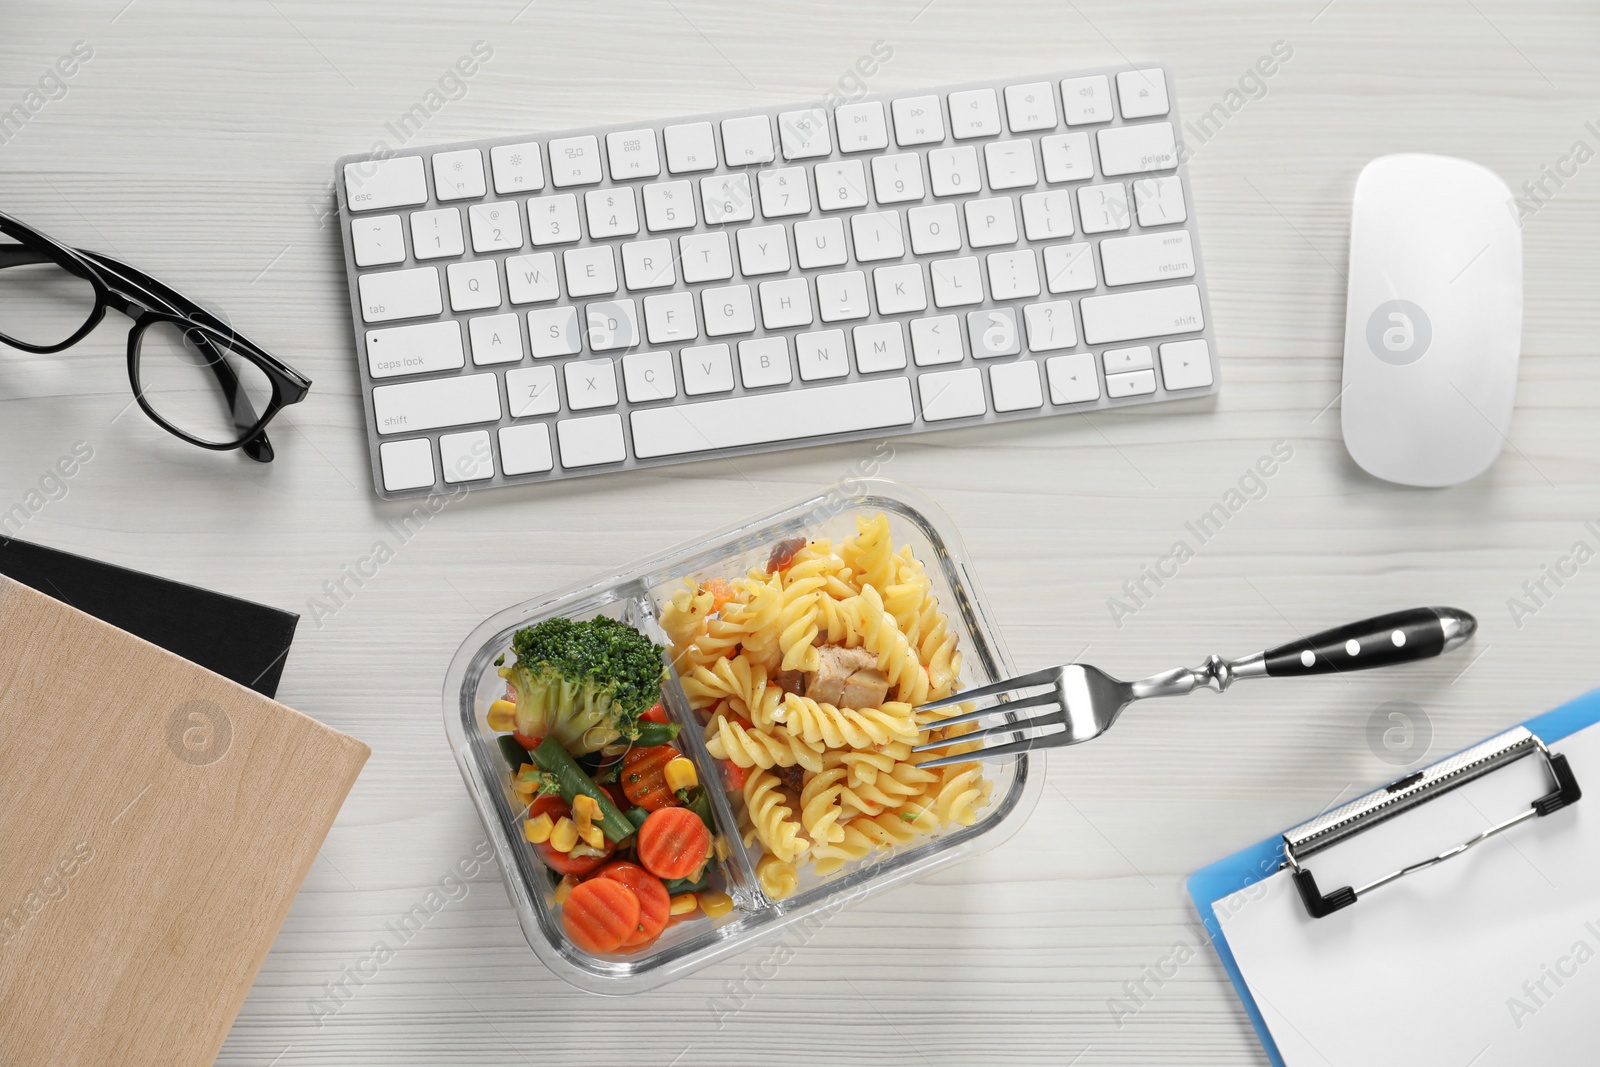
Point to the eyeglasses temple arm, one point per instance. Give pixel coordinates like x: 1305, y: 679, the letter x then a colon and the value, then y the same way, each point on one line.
x: 21, y: 254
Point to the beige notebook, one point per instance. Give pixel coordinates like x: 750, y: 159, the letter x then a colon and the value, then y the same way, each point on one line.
x: 156, y: 821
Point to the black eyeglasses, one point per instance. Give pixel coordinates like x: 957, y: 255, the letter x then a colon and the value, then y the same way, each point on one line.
x: 191, y: 373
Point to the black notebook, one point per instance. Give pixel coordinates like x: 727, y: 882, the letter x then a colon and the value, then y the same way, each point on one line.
x: 238, y: 639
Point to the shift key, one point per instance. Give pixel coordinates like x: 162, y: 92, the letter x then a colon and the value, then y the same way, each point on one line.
x: 1142, y: 313
x: 430, y: 404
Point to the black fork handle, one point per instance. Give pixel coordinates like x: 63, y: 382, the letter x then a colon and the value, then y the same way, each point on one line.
x: 1381, y: 641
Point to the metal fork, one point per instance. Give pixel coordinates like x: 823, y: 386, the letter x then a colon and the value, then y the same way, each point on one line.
x: 1084, y: 701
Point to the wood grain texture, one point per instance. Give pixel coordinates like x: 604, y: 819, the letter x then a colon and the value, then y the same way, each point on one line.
x: 198, y: 144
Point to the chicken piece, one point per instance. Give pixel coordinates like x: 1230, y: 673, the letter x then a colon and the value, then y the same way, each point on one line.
x: 847, y: 678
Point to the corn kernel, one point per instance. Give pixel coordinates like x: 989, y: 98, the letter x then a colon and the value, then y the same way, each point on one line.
x: 593, y: 836
x: 585, y: 806
x: 537, y: 831
x: 502, y: 716
x: 683, y: 904
x: 564, y: 836
x: 680, y: 774
x: 714, y: 903
x: 564, y: 888
x: 720, y: 847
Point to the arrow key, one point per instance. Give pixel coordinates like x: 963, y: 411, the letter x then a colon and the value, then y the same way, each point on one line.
x: 1073, y: 379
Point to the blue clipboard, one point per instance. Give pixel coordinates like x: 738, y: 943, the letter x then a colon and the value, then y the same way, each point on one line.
x: 1245, y: 868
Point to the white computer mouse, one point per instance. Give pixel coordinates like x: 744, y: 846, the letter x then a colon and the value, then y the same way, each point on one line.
x: 1433, y: 323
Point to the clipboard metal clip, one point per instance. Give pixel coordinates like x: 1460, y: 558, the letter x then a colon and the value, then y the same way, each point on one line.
x: 1305, y: 840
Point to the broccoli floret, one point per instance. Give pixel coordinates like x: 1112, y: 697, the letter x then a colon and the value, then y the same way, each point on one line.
x: 584, y: 683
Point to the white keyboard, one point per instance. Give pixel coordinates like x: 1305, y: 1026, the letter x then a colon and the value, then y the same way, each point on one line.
x: 606, y: 299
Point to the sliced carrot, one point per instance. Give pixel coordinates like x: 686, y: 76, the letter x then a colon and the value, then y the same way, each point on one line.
x: 600, y: 914
x: 655, y: 903
x: 642, y: 778
x: 657, y: 713
x: 673, y: 843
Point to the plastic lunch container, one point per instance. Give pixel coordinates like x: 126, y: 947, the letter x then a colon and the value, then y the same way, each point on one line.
x: 635, y: 595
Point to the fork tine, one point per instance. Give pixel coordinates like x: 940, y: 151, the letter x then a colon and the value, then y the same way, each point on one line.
x: 1035, y: 701
x: 1025, y: 745
x: 1047, y: 676
x: 999, y: 728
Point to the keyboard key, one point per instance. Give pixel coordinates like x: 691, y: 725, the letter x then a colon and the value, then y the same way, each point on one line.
x: 495, y: 339
x: 632, y: 154
x: 784, y: 192
x: 936, y: 340
x: 1015, y: 386
x: 430, y: 404
x: 648, y: 264
x: 690, y: 147
x: 897, y: 178
x: 532, y: 279
x: 1134, y: 383
x: 420, y: 349
x: 1013, y: 275
x: 532, y: 391
x: 993, y: 332
x: 804, y: 134
x: 1050, y: 326
x: 861, y: 127
x: 437, y: 234
x: 591, y: 383
x: 1010, y: 164
x: 1104, y: 208
x: 406, y: 464
x: 951, y: 394
x: 1117, y: 360
x: 612, y: 212
x: 648, y: 376
x: 917, y: 120
x: 1073, y: 379
x: 612, y: 324
x: 400, y: 294
x: 458, y: 176
x: 1068, y: 268
x: 789, y: 414
x: 821, y: 355
x: 876, y: 235
x: 726, y: 198
x: 705, y: 257
x: 474, y: 286
x: 707, y: 369
x: 880, y: 346
x: 727, y: 310
x: 1066, y: 157
x: 991, y: 222
x: 1031, y: 106
x: 956, y: 282
x: 764, y: 361
x: 371, y: 184
x: 820, y: 243
x: 669, y: 206
x: 1186, y: 364
x: 553, y: 220
x: 900, y: 288
x: 525, y: 449
x: 935, y: 228
x: 843, y: 296
x: 1142, y: 93
x: 590, y: 271
x: 1149, y: 257
x: 466, y: 457
x: 785, y: 303
x: 669, y: 318
x: 575, y: 161
x: 747, y: 140
x: 841, y: 185
x: 1136, y: 149
x: 974, y: 113
x: 954, y: 171
x: 1159, y: 201
x: 591, y: 441
x: 495, y: 227
x: 763, y: 250
x: 517, y: 168
x: 378, y: 240
x: 1047, y: 216
x: 1086, y: 100
x: 554, y: 332
x: 1142, y: 313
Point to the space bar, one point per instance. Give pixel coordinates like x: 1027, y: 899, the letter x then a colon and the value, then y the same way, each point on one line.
x: 762, y: 418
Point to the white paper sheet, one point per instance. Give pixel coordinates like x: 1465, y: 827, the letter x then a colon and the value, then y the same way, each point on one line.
x: 1491, y: 959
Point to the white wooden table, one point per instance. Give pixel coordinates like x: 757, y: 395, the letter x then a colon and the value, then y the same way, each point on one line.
x: 198, y: 143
